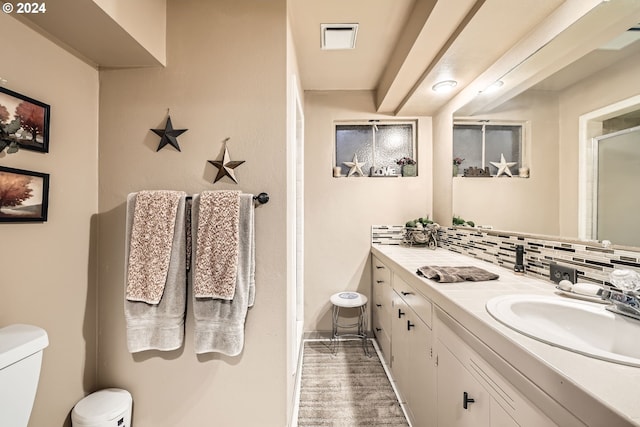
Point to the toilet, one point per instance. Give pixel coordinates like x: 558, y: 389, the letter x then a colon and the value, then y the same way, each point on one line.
x: 20, y: 360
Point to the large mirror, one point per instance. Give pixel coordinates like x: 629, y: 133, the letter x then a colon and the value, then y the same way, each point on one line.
x: 574, y: 100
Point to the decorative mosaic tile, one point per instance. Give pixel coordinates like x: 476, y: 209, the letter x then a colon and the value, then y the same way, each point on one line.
x: 387, y: 234
x: 592, y: 262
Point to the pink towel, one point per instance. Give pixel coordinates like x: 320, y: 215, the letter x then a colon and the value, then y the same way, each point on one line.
x: 216, y: 260
x: 152, y: 233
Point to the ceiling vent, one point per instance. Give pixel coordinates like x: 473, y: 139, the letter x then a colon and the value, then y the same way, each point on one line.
x: 630, y: 36
x: 338, y: 36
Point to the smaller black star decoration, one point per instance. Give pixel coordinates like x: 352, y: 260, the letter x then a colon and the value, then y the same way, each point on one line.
x: 168, y: 135
x: 226, y: 165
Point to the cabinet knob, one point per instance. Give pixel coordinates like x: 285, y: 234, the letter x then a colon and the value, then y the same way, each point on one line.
x: 410, y: 325
x: 379, y: 266
x: 466, y: 400
x: 378, y: 305
x: 379, y: 281
x: 406, y: 293
x: 400, y: 314
x: 378, y: 329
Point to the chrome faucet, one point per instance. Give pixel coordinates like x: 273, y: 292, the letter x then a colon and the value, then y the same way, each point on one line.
x: 626, y: 300
x: 625, y: 303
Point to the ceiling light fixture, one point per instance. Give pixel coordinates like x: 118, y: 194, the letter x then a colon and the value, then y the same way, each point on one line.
x: 338, y: 36
x: 444, y: 86
x: 493, y: 87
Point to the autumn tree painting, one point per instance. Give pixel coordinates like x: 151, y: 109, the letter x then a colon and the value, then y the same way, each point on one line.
x: 31, y: 118
x: 14, y: 189
x: 24, y: 123
x: 4, y: 114
x: 24, y: 195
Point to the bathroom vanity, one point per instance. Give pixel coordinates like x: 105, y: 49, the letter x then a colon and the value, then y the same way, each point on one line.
x: 455, y: 365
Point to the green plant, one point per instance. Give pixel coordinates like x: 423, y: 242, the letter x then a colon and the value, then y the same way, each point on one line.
x: 422, y: 221
x: 461, y: 222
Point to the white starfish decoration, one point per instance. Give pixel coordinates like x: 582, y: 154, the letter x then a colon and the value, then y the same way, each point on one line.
x: 354, y: 165
x: 503, y: 166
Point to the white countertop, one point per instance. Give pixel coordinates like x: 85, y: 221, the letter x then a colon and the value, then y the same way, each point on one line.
x: 600, y: 393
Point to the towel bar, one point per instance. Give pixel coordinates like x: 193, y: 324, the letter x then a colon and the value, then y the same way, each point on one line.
x: 261, y: 198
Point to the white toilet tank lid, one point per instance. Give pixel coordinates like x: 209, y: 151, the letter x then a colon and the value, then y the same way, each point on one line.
x: 19, y: 341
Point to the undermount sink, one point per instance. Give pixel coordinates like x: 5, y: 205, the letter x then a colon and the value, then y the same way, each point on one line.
x: 582, y: 327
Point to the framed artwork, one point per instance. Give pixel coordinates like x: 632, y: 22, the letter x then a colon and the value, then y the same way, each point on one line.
x: 24, y: 120
x: 24, y: 195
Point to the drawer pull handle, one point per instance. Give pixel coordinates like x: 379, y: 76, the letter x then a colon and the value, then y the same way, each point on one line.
x: 406, y: 293
x: 400, y: 314
x: 378, y: 305
x: 379, y: 281
x: 378, y: 329
x: 379, y: 266
x: 410, y: 325
x: 466, y: 400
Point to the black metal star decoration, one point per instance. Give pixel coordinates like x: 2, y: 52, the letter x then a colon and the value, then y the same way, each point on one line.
x: 168, y: 135
x: 226, y: 165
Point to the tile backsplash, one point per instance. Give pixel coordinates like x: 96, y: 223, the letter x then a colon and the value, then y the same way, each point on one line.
x: 592, y: 261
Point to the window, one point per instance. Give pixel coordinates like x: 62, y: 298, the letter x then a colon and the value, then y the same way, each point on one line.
x: 376, y: 145
x: 479, y: 144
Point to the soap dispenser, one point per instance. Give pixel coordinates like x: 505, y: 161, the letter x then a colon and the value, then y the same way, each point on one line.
x: 519, y: 266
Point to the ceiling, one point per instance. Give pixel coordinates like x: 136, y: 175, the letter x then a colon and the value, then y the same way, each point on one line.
x: 404, y: 47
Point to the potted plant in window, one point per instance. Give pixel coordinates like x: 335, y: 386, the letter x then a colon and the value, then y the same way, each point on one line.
x: 456, y: 163
x: 408, y: 166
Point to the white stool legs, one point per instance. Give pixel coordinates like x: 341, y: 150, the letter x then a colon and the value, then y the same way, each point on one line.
x: 352, y: 300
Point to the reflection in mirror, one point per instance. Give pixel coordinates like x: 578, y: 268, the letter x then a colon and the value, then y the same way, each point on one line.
x: 563, y: 113
x: 617, y: 173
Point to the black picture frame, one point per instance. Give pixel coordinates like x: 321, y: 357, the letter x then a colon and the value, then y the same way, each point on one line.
x: 15, y: 206
x: 33, y: 133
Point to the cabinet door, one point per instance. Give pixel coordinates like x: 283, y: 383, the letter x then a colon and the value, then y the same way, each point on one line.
x: 413, y: 365
x: 455, y: 384
x: 400, y: 346
x: 421, y: 393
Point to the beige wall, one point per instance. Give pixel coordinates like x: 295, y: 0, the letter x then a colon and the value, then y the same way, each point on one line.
x: 48, y: 269
x: 144, y: 20
x: 442, y: 164
x: 339, y: 212
x: 515, y: 204
x: 221, y: 81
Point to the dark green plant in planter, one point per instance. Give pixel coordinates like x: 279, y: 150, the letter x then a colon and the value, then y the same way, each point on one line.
x: 7, y: 138
x: 459, y: 221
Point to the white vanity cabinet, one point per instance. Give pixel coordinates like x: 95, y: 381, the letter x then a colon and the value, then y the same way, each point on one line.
x: 457, y: 387
x: 436, y: 362
x: 470, y: 391
x: 413, y: 360
x: 382, y: 295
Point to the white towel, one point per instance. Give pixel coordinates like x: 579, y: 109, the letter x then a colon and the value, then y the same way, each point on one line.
x: 159, y: 326
x: 219, y: 324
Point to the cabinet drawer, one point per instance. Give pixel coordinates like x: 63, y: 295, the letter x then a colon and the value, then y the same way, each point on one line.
x: 383, y: 339
x: 417, y: 302
x: 382, y: 294
x: 381, y: 273
x: 381, y: 311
